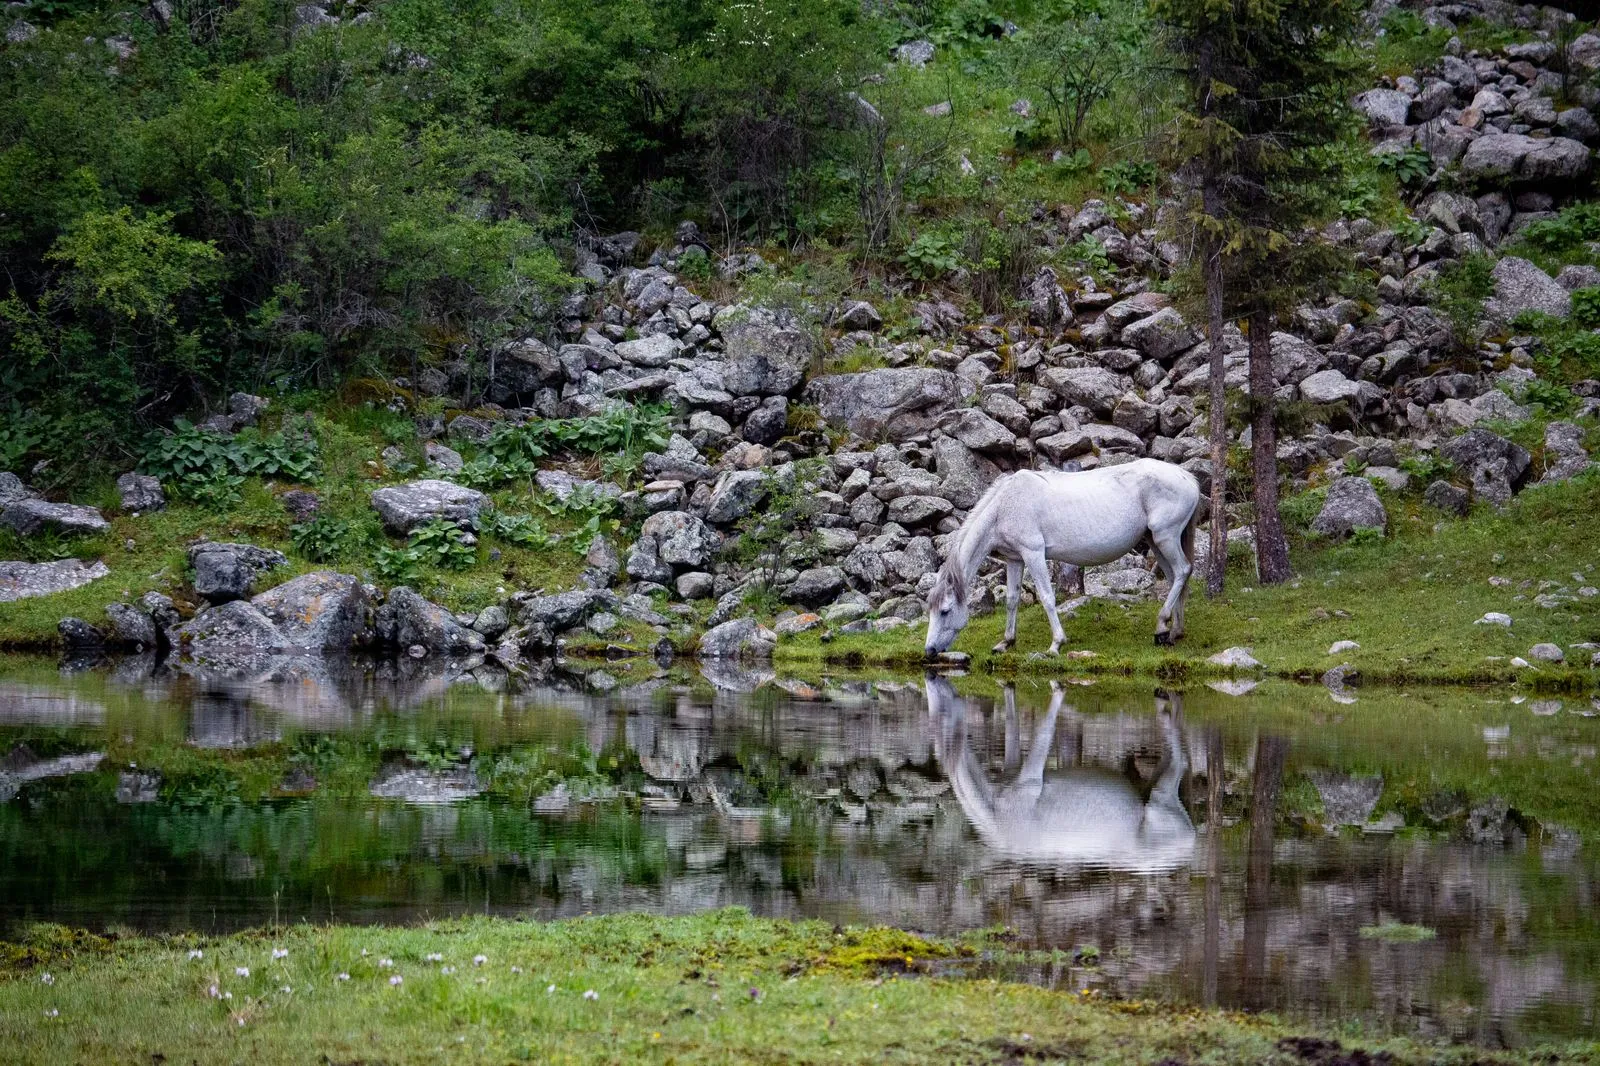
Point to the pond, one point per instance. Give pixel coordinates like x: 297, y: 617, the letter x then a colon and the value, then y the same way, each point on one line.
x: 1420, y: 861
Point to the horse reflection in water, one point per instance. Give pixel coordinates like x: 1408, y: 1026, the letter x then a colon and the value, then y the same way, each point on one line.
x: 1070, y: 816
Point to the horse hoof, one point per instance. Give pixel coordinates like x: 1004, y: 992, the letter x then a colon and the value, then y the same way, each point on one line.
x: 1002, y: 647
x: 1164, y: 640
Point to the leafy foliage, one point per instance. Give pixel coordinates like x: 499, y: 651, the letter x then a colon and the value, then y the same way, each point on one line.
x: 326, y: 538
x: 1410, y: 167
x: 205, y: 466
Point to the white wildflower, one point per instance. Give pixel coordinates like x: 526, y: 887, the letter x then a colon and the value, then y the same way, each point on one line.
x: 241, y: 971
x: 396, y: 979
x: 197, y: 954
x: 479, y: 960
x: 280, y: 953
x: 47, y: 979
x: 591, y: 994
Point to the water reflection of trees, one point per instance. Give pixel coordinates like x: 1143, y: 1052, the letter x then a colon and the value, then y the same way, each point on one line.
x: 852, y: 802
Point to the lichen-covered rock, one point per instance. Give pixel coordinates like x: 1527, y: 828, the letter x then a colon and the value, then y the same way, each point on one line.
x: 31, y: 515
x: 1521, y: 286
x: 563, y: 610
x: 765, y: 350
x: 407, y: 620
x: 226, y: 571
x: 23, y: 581
x: 1352, y: 504
x: 875, y: 404
x: 404, y: 507
x: 130, y: 627
x: 236, y: 626
x: 141, y: 493
x: 79, y: 636
x: 321, y: 610
x: 1516, y: 157
x: 1497, y: 468
x: 1162, y: 335
x: 742, y: 638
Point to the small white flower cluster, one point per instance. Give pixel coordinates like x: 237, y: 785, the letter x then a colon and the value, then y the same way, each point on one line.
x: 435, y: 957
x: 280, y: 953
x: 241, y: 971
x: 197, y: 954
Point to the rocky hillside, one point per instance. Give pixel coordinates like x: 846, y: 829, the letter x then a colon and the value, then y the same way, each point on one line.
x: 818, y: 453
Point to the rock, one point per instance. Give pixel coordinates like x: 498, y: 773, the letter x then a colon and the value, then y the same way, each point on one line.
x: 470, y: 428
x: 695, y: 585
x: 817, y: 585
x: 1564, y: 455
x: 1487, y: 822
x: 79, y: 636
x: 232, y: 627
x: 563, y: 610
x: 1236, y: 658
x: 1093, y: 387
x: 875, y: 404
x: 1352, y: 504
x: 860, y: 315
x: 130, y: 627
x: 1346, y: 798
x: 563, y: 486
x: 319, y: 610
x: 1497, y: 468
x: 404, y: 507
x: 424, y: 786
x: 742, y: 638
x: 25, y: 581
x: 1447, y: 497
x: 918, y: 510
x: 1384, y: 107
x: 768, y: 423
x: 1521, y: 286
x: 141, y: 493
x: 1339, y: 647
x: 916, y: 54
x: 765, y: 351
x: 1494, y: 618
x: 796, y: 624
x: 978, y: 431
x: 1514, y: 157
x: 407, y: 620
x: 442, y: 458
x: 32, y: 515
x: 735, y: 495
x: 1547, y: 653
x: 680, y: 539
x: 1047, y: 301
x: 225, y: 571
x: 656, y: 350
x: 12, y: 488
x: 1329, y: 386
x: 1161, y: 336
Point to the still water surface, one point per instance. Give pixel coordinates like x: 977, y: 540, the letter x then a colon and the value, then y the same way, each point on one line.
x: 1256, y: 850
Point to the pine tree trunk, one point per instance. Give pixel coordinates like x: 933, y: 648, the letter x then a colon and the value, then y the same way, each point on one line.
x: 1217, y: 559
x: 1211, y: 203
x: 1272, y: 550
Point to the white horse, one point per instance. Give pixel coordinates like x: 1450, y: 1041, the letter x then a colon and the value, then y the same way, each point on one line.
x: 1076, y: 815
x: 1032, y: 517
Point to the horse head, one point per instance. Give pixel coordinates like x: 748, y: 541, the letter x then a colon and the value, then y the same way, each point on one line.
x: 947, y: 607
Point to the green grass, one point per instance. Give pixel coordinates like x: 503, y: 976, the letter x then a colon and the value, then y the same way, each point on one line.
x: 1410, y: 601
x: 719, y: 987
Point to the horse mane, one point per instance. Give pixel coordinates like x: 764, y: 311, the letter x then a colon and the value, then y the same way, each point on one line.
x: 952, y: 575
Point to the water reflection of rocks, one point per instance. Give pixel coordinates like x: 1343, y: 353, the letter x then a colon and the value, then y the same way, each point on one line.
x: 1170, y: 848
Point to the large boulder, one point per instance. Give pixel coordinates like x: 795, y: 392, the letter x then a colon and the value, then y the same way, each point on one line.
x: 885, y: 403
x: 681, y: 540
x: 1352, y: 504
x: 816, y: 586
x: 1564, y: 454
x: 1496, y: 467
x: 765, y: 350
x: 1093, y: 387
x: 130, y: 627
x: 978, y: 431
x: 237, y: 626
x: 1162, y: 335
x: 12, y: 489
x: 656, y: 350
x: 404, y: 507
x: 742, y: 638
x: 406, y: 620
x: 225, y: 571
x: 31, y: 515
x: 736, y: 494
x: 318, y: 610
x: 1329, y: 386
x: 1521, y: 286
x: 1515, y: 157
x: 1384, y: 107
x: 26, y: 581
x: 562, y: 610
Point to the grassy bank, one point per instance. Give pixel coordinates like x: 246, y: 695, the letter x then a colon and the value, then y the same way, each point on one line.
x: 1410, y: 601
x: 720, y: 987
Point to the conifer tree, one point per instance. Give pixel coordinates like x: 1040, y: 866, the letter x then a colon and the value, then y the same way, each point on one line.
x: 1268, y: 84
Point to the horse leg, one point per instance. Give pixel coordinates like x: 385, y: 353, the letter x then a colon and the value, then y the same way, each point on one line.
x: 1039, y: 569
x: 1013, y: 597
x: 1169, y: 549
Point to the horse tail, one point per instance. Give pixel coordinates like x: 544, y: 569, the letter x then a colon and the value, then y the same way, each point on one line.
x: 1188, y: 532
